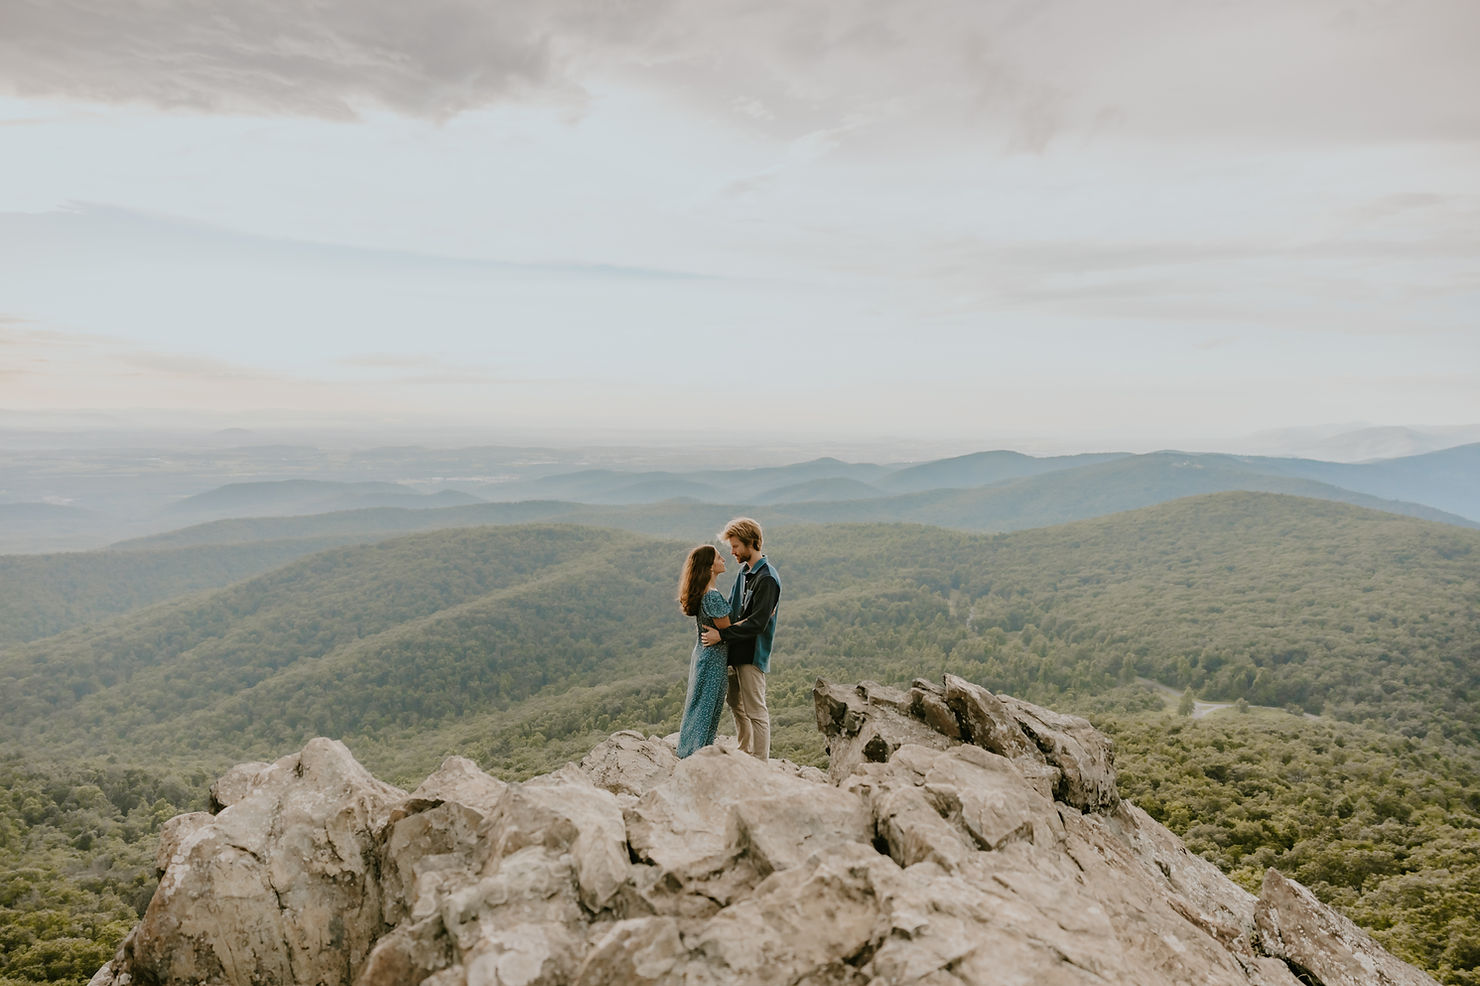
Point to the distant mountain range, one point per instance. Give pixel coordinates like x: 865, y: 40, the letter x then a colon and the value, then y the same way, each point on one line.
x: 1448, y: 480
x: 1043, y: 492
x: 1357, y: 444
x: 988, y: 491
x: 801, y: 482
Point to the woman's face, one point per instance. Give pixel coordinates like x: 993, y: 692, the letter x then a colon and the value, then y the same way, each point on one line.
x: 719, y: 564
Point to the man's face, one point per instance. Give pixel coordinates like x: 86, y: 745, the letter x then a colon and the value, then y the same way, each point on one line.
x: 740, y: 550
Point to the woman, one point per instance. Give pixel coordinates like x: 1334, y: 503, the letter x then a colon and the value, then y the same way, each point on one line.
x: 708, y: 675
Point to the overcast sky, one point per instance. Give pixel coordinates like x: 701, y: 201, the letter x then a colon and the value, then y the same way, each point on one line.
x: 1160, y: 221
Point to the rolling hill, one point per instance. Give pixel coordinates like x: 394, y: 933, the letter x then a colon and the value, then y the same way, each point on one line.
x: 286, y: 497
x: 812, y: 490
x: 983, y: 469
x: 1284, y: 601
x: 615, y: 486
x: 1448, y: 480
x: 26, y: 527
x: 42, y: 595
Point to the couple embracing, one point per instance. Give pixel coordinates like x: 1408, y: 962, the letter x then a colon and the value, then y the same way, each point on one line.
x: 733, y: 651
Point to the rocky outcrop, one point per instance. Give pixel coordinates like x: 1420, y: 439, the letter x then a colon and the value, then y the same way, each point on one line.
x: 1321, y: 944
x: 283, y: 885
x: 1063, y: 757
x: 958, y: 837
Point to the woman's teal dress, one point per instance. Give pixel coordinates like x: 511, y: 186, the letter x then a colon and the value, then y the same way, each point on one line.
x: 708, y: 680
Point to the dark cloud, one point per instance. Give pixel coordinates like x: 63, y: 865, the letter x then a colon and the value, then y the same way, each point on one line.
x: 431, y: 58
x: 1019, y: 74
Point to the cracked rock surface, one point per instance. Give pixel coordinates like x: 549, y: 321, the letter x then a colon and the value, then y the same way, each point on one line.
x: 958, y: 837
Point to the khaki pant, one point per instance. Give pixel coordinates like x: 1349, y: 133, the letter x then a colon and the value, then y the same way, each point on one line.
x: 747, y: 699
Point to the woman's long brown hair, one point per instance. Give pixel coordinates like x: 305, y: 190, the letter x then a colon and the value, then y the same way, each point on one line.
x: 694, y: 579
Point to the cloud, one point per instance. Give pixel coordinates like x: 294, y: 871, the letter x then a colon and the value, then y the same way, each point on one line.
x: 419, y: 369
x: 187, y: 366
x: 1424, y: 282
x: 1017, y: 74
x: 49, y: 368
x: 118, y: 235
x: 294, y: 57
x: 393, y: 361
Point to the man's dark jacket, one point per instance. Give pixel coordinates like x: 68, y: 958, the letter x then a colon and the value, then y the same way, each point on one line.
x: 752, y: 626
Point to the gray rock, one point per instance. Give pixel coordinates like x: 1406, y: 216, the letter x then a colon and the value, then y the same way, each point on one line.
x: 937, y: 855
x: 423, y: 853
x: 725, y: 820
x: 433, y: 834
x: 633, y: 952
x: 1326, y: 946
x: 409, y: 953
x: 929, y: 706
x: 457, y: 779
x: 1220, y: 904
x: 174, y: 835
x: 1083, y: 755
x: 564, y: 815
x: 1063, y: 757
x: 1265, y: 971
x: 866, y: 724
x: 233, y: 785
x: 628, y: 763
x: 985, y: 721
x: 281, y: 886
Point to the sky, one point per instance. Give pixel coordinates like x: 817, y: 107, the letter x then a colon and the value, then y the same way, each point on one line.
x: 1142, y: 221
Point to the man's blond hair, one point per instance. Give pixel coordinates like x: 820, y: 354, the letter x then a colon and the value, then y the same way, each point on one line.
x: 745, y: 530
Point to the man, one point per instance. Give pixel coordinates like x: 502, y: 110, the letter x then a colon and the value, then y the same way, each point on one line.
x: 749, y: 636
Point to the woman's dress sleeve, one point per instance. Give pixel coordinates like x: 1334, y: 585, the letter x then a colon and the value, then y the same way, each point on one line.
x: 714, y: 604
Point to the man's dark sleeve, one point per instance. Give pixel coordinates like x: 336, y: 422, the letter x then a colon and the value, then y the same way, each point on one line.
x: 763, y: 602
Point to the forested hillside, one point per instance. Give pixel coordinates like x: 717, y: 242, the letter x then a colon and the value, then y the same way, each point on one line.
x: 522, y: 646
x: 1385, y: 828
x: 42, y: 595
x: 1281, y: 601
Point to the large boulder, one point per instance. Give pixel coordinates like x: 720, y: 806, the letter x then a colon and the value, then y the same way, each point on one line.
x: 866, y: 723
x: 281, y: 886
x: 628, y: 763
x: 433, y: 834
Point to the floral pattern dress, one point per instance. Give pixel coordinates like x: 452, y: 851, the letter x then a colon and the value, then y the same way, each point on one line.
x: 708, y: 680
